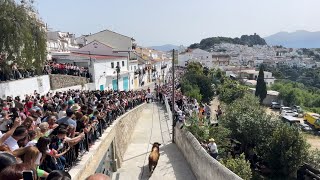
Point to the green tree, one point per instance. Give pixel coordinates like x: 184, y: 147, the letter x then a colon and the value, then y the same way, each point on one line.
x: 221, y: 136
x: 22, y: 38
x: 190, y: 90
x: 314, y: 158
x: 230, y: 90
x: 196, y: 78
x: 194, y: 67
x: 285, y: 150
x: 261, y: 87
x: 248, y: 122
x: 239, y: 166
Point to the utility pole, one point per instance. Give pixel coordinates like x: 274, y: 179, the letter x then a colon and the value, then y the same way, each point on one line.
x: 173, y: 100
x: 118, y: 71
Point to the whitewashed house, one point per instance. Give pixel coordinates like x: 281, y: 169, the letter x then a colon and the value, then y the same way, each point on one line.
x: 119, y: 43
x: 101, y: 60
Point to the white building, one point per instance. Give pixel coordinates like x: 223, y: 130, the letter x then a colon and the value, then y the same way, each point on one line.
x: 60, y: 42
x: 102, y: 61
x: 119, y: 44
x: 249, y: 76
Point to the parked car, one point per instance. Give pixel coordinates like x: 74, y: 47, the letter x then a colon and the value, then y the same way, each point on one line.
x: 284, y: 108
x: 289, y: 113
x: 305, y: 127
x: 297, y: 109
x: 275, y: 105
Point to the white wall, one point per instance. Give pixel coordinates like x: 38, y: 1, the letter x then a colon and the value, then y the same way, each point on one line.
x: 117, y: 41
x: 25, y: 86
x: 105, y: 79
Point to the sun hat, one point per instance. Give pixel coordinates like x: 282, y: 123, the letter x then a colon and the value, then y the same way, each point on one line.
x: 211, y: 140
x: 75, y: 107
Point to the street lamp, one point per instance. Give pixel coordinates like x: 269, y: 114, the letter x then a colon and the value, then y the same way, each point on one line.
x: 118, y: 71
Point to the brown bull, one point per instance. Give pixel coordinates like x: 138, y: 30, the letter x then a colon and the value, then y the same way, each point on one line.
x: 154, y: 157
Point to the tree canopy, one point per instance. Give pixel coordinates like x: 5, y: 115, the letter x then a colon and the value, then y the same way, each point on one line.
x: 22, y: 38
x: 281, y: 147
x: 195, y: 80
x: 249, y: 40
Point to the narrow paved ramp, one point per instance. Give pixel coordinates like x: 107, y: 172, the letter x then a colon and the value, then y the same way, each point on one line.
x: 153, y: 126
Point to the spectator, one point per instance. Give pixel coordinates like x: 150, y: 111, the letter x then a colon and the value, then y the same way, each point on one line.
x: 212, y: 148
x: 15, y: 171
x: 62, y: 112
x: 19, y: 134
x: 68, y: 120
x: 29, y: 155
x: 6, y: 160
x: 58, y: 175
x: 5, y: 121
x: 98, y: 176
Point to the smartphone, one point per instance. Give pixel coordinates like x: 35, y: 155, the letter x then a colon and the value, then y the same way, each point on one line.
x: 27, y: 175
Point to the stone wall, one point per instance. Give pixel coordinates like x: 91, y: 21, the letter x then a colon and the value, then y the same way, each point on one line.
x: 124, y: 130
x: 120, y: 133
x: 58, y: 81
x: 202, y: 164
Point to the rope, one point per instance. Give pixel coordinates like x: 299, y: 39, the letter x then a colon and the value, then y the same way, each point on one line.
x: 144, y: 162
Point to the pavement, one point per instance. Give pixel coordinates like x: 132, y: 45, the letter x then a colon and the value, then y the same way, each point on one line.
x: 153, y: 126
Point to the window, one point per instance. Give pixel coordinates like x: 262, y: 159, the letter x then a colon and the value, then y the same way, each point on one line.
x: 135, y: 67
x: 112, y: 65
x: 122, y: 63
x: 118, y: 64
x: 131, y: 68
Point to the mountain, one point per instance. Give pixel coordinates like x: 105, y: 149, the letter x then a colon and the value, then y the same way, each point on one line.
x: 297, y: 39
x: 166, y: 47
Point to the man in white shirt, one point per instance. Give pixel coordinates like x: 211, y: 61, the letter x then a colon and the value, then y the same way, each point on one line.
x: 12, y: 142
x: 213, y: 149
x: 62, y: 112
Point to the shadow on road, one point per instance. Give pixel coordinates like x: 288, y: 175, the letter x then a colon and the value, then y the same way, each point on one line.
x: 144, y: 173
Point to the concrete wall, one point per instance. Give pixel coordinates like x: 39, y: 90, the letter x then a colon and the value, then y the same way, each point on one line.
x: 202, y: 164
x: 25, y: 86
x: 58, y: 81
x: 119, y: 133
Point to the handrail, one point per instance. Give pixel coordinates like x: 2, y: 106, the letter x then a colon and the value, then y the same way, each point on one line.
x: 78, y: 150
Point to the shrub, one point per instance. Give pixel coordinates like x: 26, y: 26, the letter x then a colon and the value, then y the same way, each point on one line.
x: 239, y: 166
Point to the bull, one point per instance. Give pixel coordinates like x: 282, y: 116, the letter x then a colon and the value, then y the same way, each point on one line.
x: 154, y: 157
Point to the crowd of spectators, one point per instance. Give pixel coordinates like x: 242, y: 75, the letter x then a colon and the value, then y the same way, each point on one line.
x: 17, y: 72
x: 184, y: 107
x: 67, y: 69
x: 48, y: 133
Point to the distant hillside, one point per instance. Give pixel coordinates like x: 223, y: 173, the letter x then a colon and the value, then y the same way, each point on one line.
x: 297, y: 39
x: 208, y: 43
x: 166, y: 47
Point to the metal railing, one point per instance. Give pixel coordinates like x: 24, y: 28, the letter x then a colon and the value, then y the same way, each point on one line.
x: 77, y: 151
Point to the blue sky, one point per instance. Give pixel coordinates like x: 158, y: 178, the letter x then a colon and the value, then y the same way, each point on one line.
x: 177, y: 22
